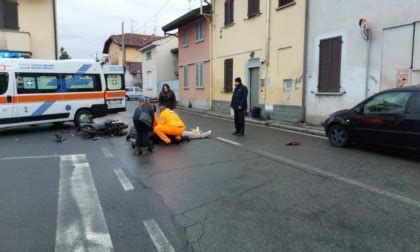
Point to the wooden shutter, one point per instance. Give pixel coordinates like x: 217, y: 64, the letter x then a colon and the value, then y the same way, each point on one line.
x: 11, y: 15
x: 330, y: 65
x: 228, y: 12
x: 253, y: 7
x: 228, y: 75
x: 335, y: 76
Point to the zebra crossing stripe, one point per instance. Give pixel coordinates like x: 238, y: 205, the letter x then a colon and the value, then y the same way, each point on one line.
x: 81, y: 224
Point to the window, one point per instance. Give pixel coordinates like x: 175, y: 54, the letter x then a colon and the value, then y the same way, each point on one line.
x: 149, y: 81
x: 186, y: 77
x: 329, y: 79
x: 199, y: 75
x: 414, y: 107
x: 199, y: 31
x: 9, y: 15
x: 229, y: 12
x: 149, y: 55
x: 185, y: 37
x: 4, y: 83
x: 114, y: 82
x: 394, y: 102
x: 228, y: 75
x: 82, y: 83
x: 37, y: 83
x: 285, y: 2
x: 253, y: 8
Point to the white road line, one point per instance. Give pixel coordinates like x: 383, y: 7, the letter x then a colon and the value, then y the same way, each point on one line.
x: 257, y: 125
x: 30, y: 157
x: 107, y: 153
x: 158, y: 237
x: 81, y: 224
x: 228, y: 141
x: 126, y: 184
x: 340, y: 178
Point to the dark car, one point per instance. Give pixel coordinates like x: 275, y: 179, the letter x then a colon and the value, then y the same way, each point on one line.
x: 390, y: 119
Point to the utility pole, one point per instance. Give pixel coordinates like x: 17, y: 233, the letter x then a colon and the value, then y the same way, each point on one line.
x: 123, y: 44
x: 132, y: 26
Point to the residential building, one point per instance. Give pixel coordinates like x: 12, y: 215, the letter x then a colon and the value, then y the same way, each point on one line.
x: 133, y: 42
x: 193, y: 43
x: 341, y: 68
x: 28, y: 29
x: 158, y: 65
x: 261, y: 41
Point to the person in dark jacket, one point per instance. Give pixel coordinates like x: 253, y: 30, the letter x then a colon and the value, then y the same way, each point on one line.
x: 167, y: 97
x: 239, y: 105
x: 144, y: 121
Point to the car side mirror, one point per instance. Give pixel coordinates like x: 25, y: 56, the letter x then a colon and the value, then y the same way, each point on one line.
x: 359, y: 110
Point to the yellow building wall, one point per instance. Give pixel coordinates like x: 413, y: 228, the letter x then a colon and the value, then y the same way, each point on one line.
x: 287, y: 42
x: 37, y: 18
x: 237, y: 41
x: 115, y: 54
x: 287, y: 32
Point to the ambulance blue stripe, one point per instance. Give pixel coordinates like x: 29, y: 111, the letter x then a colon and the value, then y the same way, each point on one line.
x: 43, y: 108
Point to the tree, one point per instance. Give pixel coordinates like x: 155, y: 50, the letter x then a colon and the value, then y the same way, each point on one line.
x: 64, y: 55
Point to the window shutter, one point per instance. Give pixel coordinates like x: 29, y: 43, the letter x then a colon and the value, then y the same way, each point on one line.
x: 330, y: 65
x: 335, y: 75
x: 324, y: 66
x: 231, y: 11
x: 253, y: 7
x: 227, y: 12
x: 228, y: 75
x: 11, y: 15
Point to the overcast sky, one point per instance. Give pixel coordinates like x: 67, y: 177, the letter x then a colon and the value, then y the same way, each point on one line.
x: 84, y: 25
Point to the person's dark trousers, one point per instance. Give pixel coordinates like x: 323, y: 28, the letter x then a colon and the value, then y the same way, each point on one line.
x: 240, y: 121
x: 143, y: 134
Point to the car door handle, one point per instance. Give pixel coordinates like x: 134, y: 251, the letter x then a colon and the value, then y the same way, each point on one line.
x: 9, y: 99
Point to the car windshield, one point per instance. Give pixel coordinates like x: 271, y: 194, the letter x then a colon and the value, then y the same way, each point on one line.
x: 394, y: 102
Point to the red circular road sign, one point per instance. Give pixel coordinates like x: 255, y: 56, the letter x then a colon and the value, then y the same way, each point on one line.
x: 364, y: 28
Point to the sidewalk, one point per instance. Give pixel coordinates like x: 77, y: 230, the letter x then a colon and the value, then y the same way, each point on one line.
x: 297, y: 127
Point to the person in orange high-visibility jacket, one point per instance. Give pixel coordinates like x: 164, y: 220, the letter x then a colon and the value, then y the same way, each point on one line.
x: 170, y: 124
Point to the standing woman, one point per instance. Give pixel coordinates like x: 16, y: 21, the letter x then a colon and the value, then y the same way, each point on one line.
x: 167, y: 97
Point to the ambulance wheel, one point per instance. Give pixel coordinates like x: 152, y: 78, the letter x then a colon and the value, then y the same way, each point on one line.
x: 83, y: 116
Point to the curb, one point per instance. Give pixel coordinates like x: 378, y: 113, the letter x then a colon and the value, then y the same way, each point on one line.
x: 270, y: 124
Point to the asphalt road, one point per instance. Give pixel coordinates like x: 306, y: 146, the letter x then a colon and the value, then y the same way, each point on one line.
x: 225, y: 193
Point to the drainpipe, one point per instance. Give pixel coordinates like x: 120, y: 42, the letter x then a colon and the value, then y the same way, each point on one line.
x: 210, y: 85
x: 267, y: 49
x: 267, y: 35
x: 55, y: 29
x: 305, y: 61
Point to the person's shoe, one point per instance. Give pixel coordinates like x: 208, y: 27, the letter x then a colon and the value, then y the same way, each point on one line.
x: 137, y: 151
x: 144, y: 151
x: 240, y: 134
x: 235, y: 133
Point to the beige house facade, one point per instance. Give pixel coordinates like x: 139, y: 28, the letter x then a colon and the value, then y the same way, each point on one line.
x: 261, y: 41
x: 28, y: 28
x: 158, y: 65
x: 133, y: 57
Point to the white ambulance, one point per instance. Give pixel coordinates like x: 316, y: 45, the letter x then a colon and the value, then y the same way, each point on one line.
x: 41, y: 91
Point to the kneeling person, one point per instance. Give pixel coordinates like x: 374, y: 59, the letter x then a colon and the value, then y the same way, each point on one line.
x: 170, y: 124
x: 143, y: 119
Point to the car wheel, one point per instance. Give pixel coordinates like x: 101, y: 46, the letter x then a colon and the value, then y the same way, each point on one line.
x: 127, y: 98
x: 83, y: 116
x: 339, y: 136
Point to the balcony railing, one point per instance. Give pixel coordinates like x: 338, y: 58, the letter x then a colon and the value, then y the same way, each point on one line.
x: 15, y: 41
